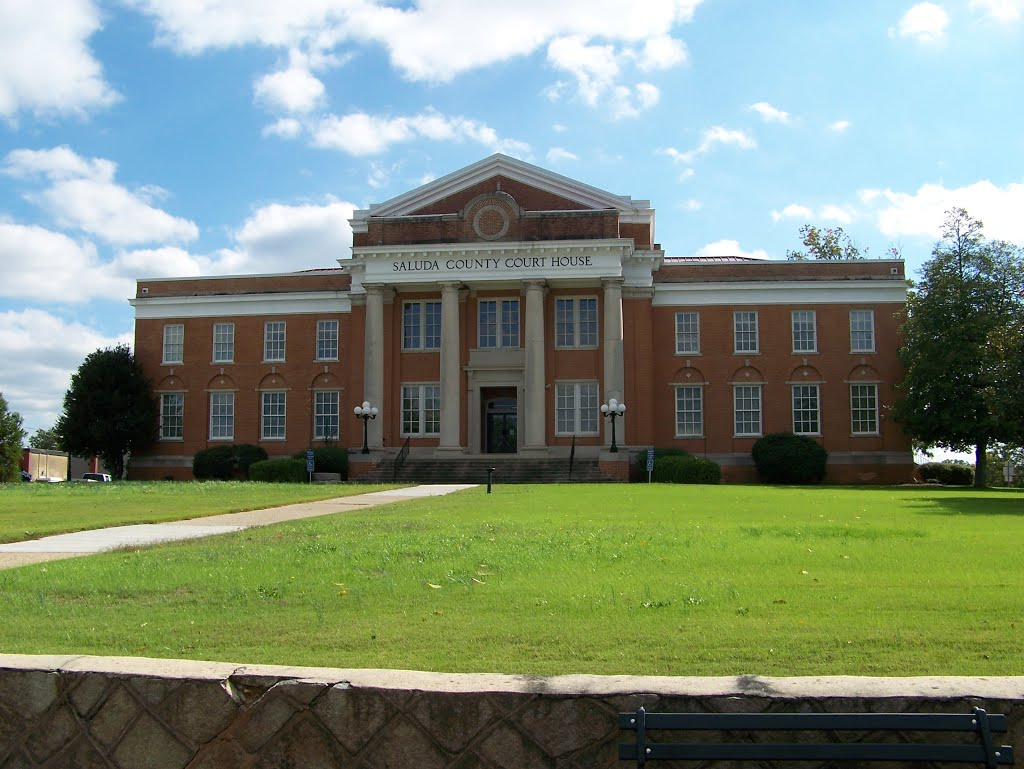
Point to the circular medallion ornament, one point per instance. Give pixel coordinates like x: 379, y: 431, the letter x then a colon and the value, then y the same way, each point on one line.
x: 491, y: 222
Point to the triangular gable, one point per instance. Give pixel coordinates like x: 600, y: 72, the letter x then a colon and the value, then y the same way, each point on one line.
x: 510, y: 168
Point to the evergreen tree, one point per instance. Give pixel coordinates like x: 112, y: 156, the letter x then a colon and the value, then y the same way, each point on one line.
x: 962, y: 346
x: 109, y: 409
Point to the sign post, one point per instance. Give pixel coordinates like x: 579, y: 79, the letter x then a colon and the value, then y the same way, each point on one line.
x: 650, y: 464
x: 310, y: 464
x: 1009, y: 471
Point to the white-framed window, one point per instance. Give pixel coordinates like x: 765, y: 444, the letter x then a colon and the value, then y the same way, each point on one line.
x: 576, y: 322
x: 862, y: 330
x: 805, y: 331
x: 421, y: 410
x: 273, y: 340
x: 746, y: 409
x: 689, y: 411
x: 172, y: 416
x: 744, y: 331
x: 326, y: 408
x: 498, y: 323
x: 421, y: 326
x: 806, y: 409
x: 223, y: 342
x: 273, y: 405
x: 577, y: 410
x: 864, y: 409
x: 174, y: 343
x: 687, y: 333
x: 222, y: 416
x: 327, y: 340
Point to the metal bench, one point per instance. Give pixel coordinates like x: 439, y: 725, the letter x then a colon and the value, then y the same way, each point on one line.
x: 825, y: 745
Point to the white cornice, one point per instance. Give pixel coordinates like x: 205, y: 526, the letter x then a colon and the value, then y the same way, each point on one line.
x: 227, y: 305
x: 849, y: 291
x: 636, y: 211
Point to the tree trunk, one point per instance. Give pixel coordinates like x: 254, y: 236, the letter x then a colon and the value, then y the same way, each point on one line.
x: 980, y: 462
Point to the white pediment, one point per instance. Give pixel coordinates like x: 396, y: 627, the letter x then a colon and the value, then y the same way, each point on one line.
x: 634, y: 211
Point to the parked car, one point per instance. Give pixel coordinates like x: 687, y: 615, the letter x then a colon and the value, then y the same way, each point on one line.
x: 26, y: 475
x: 97, y: 477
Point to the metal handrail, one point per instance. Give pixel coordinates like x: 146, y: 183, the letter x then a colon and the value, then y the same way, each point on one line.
x: 572, y: 456
x: 400, y: 460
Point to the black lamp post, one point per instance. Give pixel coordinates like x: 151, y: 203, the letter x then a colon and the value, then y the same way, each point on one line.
x: 366, y: 412
x: 613, y: 409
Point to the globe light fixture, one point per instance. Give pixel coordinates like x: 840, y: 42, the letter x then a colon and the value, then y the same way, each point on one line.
x: 613, y: 409
x: 366, y: 412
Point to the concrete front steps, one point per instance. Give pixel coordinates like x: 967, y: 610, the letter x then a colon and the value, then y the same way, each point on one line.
x: 507, y: 469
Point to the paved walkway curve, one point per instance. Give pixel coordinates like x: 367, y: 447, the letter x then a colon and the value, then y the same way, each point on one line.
x: 99, y: 540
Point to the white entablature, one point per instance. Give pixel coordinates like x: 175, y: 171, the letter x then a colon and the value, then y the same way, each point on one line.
x: 480, y: 263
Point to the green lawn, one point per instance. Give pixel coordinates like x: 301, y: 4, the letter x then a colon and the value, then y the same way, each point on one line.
x: 658, y: 580
x: 32, y: 510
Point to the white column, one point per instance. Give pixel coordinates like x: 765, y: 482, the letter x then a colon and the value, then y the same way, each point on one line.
x: 451, y: 379
x: 614, y: 366
x: 373, y: 364
x: 535, y: 415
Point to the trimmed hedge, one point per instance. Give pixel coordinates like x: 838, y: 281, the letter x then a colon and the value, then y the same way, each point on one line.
x: 789, y: 458
x: 947, y: 473
x: 225, y: 463
x: 328, y: 459
x: 279, y: 470
x: 685, y: 469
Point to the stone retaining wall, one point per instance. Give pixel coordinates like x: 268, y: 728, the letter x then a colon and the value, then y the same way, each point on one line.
x: 119, y: 713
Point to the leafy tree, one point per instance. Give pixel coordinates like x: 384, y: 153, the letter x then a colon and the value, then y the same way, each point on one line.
x: 109, y: 409
x: 11, y: 437
x: 962, y: 345
x: 49, y: 440
x: 825, y: 244
x: 998, y: 456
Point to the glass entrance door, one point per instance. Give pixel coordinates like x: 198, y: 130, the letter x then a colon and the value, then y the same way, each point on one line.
x: 501, y: 426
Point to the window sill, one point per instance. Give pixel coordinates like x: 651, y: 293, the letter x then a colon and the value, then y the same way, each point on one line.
x: 171, y: 440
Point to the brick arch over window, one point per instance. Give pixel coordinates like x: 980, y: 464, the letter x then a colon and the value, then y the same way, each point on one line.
x: 808, y: 374
x: 747, y: 375
x: 325, y: 382
x: 170, y: 382
x: 864, y: 373
x: 273, y: 382
x: 688, y: 375
x: 221, y: 382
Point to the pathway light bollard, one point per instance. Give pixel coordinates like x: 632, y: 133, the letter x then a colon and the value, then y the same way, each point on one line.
x: 489, y: 471
x: 613, y: 409
x: 366, y: 412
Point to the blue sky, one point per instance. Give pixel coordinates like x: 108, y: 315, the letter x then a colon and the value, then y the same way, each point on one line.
x: 148, y: 138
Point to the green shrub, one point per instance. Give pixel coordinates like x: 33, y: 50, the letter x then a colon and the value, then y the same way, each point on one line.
x: 638, y: 470
x: 225, y: 463
x: 685, y: 469
x: 789, y: 458
x: 949, y: 473
x: 328, y: 459
x: 279, y: 470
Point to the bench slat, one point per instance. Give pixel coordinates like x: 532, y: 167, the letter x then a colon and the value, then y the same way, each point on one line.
x: 851, y: 751
x: 864, y: 722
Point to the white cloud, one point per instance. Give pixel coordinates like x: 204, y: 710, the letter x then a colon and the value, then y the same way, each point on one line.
x: 770, y: 114
x: 839, y: 126
x: 921, y: 213
x: 285, y: 128
x: 174, y: 262
x: 730, y: 248
x: 293, y: 90
x: 1002, y: 11
x: 793, y: 211
x: 834, y: 213
x: 692, y: 205
x: 40, y: 352
x: 46, y: 66
x: 661, y: 52
x: 361, y: 134
x: 712, y: 138
x: 46, y: 266
x: 82, y: 195
x: 284, y: 238
x: 559, y: 155
x: 924, y: 22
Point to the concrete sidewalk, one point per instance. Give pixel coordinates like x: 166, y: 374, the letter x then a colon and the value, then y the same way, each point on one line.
x: 100, y: 540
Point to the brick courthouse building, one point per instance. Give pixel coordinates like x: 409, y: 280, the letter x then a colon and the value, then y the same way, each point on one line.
x: 496, y: 309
